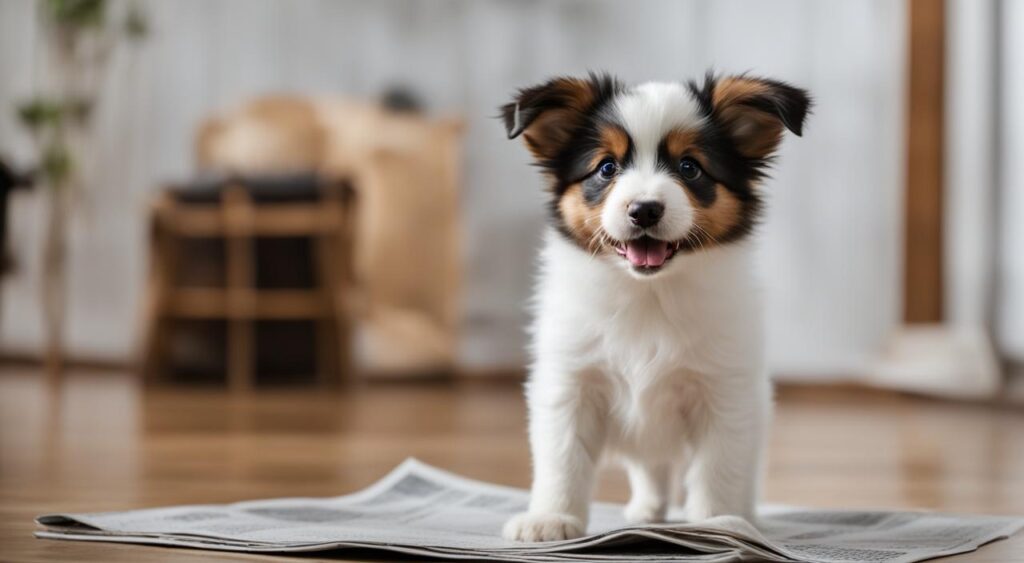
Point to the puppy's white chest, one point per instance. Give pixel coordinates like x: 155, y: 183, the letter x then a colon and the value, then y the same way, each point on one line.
x: 646, y: 341
x: 655, y: 418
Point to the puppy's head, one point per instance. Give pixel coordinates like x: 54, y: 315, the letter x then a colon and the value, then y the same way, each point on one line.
x: 642, y: 174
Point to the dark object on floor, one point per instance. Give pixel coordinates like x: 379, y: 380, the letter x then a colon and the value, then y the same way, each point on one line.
x: 400, y: 99
x: 10, y: 181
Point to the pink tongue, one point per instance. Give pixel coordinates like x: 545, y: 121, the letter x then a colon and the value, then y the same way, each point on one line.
x: 647, y: 252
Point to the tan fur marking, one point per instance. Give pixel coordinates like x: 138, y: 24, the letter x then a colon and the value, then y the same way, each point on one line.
x: 579, y: 92
x: 583, y: 221
x: 614, y: 143
x: 682, y: 142
x: 679, y: 141
x: 550, y: 130
x: 723, y: 214
x: 756, y: 133
x: 731, y: 90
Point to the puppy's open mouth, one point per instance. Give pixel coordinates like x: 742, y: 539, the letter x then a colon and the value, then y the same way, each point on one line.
x: 647, y: 254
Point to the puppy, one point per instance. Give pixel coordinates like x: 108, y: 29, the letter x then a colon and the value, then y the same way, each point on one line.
x: 648, y: 340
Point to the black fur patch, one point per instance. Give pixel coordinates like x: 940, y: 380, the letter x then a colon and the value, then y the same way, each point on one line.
x: 594, y: 188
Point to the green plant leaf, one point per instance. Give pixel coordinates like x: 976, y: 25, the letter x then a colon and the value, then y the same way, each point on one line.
x: 79, y: 14
x: 136, y: 24
x: 40, y: 112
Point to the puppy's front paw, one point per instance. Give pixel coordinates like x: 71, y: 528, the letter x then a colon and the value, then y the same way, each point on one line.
x: 542, y: 526
x: 642, y: 511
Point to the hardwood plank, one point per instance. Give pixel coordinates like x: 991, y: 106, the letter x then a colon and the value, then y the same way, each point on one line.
x: 106, y: 442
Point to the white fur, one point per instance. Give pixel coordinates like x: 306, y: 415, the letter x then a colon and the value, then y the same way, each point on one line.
x: 662, y: 372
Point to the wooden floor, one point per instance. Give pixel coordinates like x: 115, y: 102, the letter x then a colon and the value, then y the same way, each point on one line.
x: 103, y: 443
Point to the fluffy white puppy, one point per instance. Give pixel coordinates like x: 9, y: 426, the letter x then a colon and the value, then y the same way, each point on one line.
x: 648, y: 340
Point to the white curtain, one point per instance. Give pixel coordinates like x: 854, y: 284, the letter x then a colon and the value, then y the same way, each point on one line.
x: 831, y: 241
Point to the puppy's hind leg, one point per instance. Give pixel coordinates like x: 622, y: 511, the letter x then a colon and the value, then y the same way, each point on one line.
x: 650, y: 483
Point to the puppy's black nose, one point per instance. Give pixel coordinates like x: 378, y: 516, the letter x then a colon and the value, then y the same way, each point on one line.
x: 646, y: 213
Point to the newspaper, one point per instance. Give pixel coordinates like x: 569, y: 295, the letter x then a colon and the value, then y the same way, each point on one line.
x: 419, y: 510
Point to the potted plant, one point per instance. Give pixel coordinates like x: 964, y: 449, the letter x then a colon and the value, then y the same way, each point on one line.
x: 78, y: 38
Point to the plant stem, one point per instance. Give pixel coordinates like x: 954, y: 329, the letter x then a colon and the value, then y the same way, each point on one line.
x: 54, y: 294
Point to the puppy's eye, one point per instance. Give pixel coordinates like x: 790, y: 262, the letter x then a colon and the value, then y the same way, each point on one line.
x: 689, y: 169
x: 607, y: 168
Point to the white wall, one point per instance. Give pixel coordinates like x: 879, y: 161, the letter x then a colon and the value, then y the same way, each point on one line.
x: 831, y: 240
x: 984, y: 171
x: 1010, y: 264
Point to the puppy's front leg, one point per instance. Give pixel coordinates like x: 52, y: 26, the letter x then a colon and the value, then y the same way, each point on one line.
x: 723, y: 478
x: 566, y: 437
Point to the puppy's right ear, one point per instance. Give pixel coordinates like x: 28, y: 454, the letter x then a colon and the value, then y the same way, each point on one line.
x: 547, y: 115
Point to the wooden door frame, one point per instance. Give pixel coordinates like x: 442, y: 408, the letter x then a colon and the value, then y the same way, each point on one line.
x: 923, y: 288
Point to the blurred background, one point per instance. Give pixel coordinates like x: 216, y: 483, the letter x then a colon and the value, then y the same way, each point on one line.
x: 897, y: 207
x: 258, y: 248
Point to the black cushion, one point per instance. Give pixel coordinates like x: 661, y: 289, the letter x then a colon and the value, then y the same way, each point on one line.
x: 263, y: 188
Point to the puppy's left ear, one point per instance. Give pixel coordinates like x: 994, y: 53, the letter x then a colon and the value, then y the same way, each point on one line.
x: 754, y: 111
